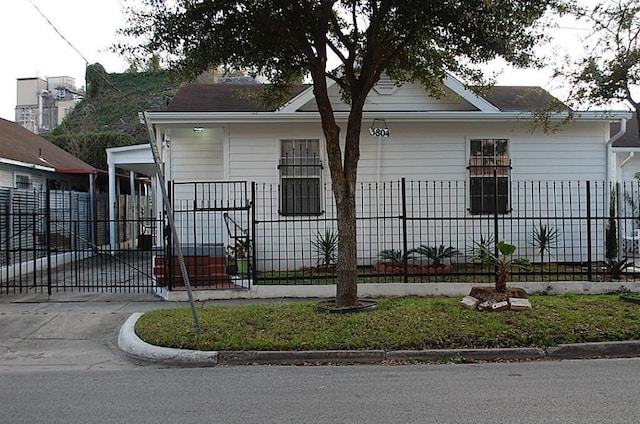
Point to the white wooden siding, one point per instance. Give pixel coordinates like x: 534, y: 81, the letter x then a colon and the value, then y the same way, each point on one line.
x: 6, y: 178
x: 409, y: 97
x: 197, y: 156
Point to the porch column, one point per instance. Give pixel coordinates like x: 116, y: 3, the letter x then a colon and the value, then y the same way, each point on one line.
x: 132, y: 209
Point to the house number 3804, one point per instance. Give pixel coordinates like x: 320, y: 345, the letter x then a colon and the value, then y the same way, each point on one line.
x: 379, y: 132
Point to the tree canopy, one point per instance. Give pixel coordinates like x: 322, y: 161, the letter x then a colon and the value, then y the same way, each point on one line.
x: 350, y: 42
x: 611, y: 69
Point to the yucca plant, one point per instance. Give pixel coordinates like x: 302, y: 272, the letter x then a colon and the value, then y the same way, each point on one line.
x: 437, y: 254
x: 544, y: 240
x: 479, y: 248
x: 326, y: 247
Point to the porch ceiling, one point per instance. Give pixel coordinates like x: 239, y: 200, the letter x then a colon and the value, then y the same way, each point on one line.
x: 137, y: 158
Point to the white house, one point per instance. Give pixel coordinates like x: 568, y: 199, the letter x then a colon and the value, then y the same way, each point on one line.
x: 216, y: 133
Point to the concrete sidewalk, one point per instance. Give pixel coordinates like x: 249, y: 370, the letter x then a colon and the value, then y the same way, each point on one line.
x: 95, y: 331
x: 76, y: 331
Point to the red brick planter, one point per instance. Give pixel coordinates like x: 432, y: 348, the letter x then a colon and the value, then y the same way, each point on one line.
x: 390, y: 268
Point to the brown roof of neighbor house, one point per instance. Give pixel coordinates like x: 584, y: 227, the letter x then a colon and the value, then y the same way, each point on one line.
x: 510, y: 98
x: 19, y: 144
x: 630, y: 138
x: 221, y: 98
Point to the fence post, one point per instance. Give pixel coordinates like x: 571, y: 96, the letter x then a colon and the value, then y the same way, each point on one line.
x: 495, y: 220
x: 48, y: 223
x: 589, y: 262
x: 252, y: 236
x: 169, y: 240
x: 405, y: 265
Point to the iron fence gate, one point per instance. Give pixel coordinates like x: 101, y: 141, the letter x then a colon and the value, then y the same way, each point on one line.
x: 49, y: 243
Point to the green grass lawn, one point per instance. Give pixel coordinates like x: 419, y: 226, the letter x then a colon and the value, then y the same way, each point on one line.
x: 399, y: 323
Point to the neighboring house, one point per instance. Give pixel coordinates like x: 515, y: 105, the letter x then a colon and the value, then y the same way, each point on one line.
x: 216, y: 133
x: 28, y: 161
x: 32, y: 171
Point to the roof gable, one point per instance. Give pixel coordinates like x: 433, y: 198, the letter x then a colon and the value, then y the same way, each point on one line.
x: 20, y: 145
x: 388, y: 96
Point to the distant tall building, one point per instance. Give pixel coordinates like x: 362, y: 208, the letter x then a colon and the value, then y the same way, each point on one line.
x: 42, y: 104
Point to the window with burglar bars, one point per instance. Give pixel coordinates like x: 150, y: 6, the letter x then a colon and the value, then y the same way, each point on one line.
x: 489, y: 169
x: 300, y: 177
x: 23, y: 181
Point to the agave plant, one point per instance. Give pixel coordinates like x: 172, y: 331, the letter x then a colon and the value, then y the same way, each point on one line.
x: 437, y: 254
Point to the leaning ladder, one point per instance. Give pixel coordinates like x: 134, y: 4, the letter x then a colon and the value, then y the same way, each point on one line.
x: 168, y: 209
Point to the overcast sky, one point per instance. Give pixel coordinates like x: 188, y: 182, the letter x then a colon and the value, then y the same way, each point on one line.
x: 31, y: 47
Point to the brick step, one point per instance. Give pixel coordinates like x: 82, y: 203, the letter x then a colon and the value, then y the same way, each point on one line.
x: 192, y: 269
x: 190, y: 260
x: 195, y: 279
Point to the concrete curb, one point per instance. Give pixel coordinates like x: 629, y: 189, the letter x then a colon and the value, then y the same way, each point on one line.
x: 624, y: 349
x: 300, y: 357
x: 513, y: 354
x: 129, y: 342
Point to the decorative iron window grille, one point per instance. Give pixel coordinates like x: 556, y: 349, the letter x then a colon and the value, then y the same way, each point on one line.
x: 300, y: 177
x: 489, y: 177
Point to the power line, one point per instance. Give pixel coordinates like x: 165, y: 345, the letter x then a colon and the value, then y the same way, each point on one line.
x: 103, y: 77
x: 58, y: 32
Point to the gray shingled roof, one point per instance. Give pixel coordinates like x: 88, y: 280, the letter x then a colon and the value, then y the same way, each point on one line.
x: 630, y: 138
x: 220, y: 98
x: 520, y: 98
x: 19, y: 144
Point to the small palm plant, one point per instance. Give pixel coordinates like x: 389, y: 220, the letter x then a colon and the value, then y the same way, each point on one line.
x: 545, y: 239
x: 437, y: 254
x: 505, y: 263
x: 326, y: 247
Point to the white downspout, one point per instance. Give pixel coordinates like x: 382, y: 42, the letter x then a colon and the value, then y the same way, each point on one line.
x: 612, y: 139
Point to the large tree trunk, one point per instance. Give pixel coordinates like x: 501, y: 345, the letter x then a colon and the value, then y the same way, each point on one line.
x: 346, y: 284
x: 343, y: 183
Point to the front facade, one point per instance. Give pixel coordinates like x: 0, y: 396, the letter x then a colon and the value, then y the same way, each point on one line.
x: 474, y: 154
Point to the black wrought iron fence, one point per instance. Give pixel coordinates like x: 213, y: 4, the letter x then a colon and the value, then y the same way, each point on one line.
x: 426, y: 231
x: 51, y: 242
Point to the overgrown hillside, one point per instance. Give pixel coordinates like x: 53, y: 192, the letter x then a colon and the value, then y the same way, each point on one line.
x: 108, y: 115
